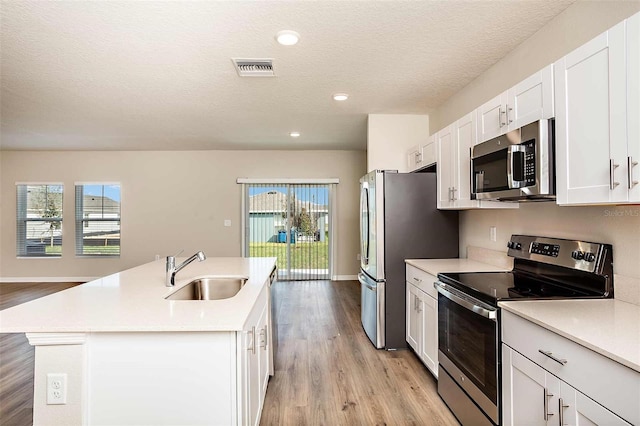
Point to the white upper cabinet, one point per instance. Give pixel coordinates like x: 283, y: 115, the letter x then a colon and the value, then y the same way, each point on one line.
x: 453, y: 145
x: 422, y: 155
x: 597, y: 96
x: 526, y: 102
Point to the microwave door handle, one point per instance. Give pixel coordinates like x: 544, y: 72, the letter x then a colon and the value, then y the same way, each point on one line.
x: 450, y: 294
x: 510, y: 166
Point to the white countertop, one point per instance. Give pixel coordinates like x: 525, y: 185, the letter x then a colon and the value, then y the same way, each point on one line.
x: 609, y: 327
x: 436, y: 266
x: 134, y: 300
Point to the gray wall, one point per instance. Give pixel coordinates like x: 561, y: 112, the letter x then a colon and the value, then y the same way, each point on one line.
x: 171, y: 201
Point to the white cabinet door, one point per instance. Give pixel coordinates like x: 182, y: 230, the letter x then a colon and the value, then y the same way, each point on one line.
x: 590, y: 121
x: 465, y: 138
x: 429, y: 335
x: 446, y: 155
x: 580, y: 410
x: 531, y: 99
x: 529, y: 393
x: 414, y: 321
x: 492, y: 118
x: 413, y: 158
x: 633, y: 107
x: 428, y: 151
x: 253, y: 363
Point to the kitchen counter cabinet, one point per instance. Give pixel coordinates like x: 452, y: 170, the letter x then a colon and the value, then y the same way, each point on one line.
x: 422, y: 303
x: 133, y: 357
x: 596, y: 344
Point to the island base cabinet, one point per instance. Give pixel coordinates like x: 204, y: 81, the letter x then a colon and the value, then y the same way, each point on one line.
x: 253, y: 366
x: 156, y: 378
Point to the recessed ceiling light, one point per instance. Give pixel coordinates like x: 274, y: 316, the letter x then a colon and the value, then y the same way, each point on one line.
x: 340, y: 97
x: 294, y: 134
x: 287, y: 37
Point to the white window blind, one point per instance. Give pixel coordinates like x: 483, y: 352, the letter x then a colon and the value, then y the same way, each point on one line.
x: 39, y: 220
x: 98, y: 220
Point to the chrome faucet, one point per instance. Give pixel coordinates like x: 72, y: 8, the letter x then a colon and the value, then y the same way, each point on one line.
x: 172, y: 269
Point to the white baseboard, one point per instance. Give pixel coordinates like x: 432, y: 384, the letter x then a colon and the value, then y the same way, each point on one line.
x: 46, y: 279
x: 344, y: 278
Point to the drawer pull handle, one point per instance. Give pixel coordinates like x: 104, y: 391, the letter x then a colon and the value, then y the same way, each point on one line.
x: 417, y: 279
x: 550, y: 355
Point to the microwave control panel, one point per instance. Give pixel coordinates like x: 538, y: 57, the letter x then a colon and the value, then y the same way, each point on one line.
x: 529, y: 163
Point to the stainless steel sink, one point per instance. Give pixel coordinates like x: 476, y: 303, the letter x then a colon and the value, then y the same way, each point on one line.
x: 210, y: 288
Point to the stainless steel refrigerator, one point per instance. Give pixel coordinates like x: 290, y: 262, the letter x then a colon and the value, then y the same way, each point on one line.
x: 398, y: 220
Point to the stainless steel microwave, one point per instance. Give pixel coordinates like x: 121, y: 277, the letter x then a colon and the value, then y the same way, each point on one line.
x: 517, y: 166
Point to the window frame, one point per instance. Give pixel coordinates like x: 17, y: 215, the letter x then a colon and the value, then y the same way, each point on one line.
x: 22, y: 251
x: 82, y: 222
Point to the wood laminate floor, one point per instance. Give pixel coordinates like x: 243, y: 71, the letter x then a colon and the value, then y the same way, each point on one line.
x: 17, y: 356
x: 328, y: 373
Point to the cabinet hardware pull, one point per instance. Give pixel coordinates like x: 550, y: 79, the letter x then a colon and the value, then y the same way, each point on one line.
x: 453, y: 194
x: 612, y: 167
x: 417, y: 279
x: 509, y: 120
x: 546, y: 397
x: 550, y: 355
x: 630, y: 165
x: 500, y: 112
x: 263, y: 338
x: 561, y: 408
x: 252, y: 347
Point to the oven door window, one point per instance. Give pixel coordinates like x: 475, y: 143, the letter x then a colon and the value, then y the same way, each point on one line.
x: 490, y: 172
x: 470, y: 342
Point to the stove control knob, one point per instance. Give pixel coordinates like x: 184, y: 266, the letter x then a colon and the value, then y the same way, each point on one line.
x: 511, y: 244
x: 577, y: 254
x: 589, y: 257
x: 518, y: 246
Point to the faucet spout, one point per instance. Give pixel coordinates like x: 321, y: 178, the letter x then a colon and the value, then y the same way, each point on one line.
x: 172, y: 269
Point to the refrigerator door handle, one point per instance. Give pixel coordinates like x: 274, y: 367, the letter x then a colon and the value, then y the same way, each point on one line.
x: 364, y: 282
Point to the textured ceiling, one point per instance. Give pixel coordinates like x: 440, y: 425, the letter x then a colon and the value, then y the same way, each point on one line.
x: 157, y: 75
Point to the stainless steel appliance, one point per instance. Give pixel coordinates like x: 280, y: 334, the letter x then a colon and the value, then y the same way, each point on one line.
x: 516, y: 166
x: 469, y: 317
x: 398, y: 220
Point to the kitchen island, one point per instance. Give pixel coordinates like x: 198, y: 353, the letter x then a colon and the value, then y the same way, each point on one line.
x: 127, y: 355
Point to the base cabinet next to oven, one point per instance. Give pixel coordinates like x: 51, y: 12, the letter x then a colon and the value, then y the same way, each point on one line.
x: 533, y: 396
x: 579, y: 387
x: 422, y: 317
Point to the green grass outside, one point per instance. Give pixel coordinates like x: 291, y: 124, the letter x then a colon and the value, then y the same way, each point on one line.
x: 303, y: 255
x: 88, y: 250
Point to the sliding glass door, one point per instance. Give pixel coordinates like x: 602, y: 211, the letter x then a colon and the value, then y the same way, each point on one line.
x: 291, y: 222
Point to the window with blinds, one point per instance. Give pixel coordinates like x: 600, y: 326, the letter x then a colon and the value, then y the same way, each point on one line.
x: 290, y: 222
x: 98, y: 220
x: 39, y: 220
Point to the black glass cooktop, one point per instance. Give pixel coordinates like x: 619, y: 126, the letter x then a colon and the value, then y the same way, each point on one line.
x: 492, y: 287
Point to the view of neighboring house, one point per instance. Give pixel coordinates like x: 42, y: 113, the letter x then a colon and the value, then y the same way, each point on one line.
x: 268, y: 218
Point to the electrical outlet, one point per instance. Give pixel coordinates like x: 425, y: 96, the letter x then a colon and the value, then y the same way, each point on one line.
x: 358, y: 257
x: 157, y: 257
x: 227, y: 222
x: 493, y: 233
x: 56, y: 388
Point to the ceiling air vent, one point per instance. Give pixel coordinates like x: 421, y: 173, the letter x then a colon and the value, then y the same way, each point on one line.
x: 254, y: 67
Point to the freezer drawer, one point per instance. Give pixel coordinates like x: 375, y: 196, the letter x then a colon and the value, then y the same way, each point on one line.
x: 372, y: 303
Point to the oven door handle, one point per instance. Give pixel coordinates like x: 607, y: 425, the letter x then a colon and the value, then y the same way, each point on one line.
x: 466, y: 301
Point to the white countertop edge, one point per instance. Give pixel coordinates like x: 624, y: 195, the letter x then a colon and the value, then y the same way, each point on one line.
x: 515, y: 307
x: 437, y: 266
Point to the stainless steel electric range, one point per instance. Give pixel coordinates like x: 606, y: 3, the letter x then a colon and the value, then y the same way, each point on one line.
x: 469, y: 317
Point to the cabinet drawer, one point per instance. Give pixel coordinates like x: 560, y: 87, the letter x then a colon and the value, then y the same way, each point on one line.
x: 611, y: 384
x: 423, y: 280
